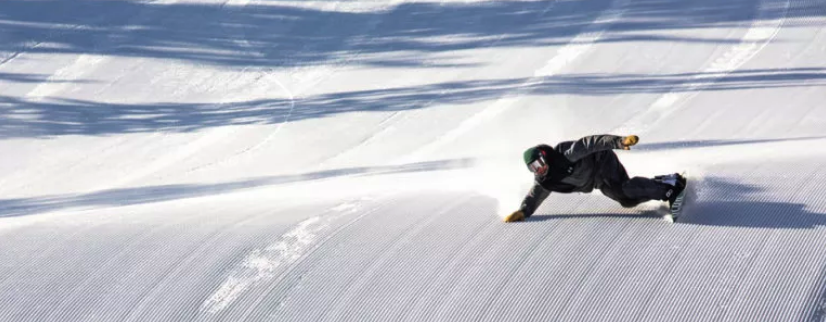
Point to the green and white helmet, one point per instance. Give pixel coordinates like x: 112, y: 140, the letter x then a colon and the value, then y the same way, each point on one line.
x: 534, y: 159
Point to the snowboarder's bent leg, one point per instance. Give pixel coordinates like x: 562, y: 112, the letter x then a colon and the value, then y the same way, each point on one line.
x: 645, y: 189
x: 629, y: 192
x: 611, y: 177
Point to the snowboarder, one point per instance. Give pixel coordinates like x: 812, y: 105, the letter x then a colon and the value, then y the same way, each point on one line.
x: 588, y: 164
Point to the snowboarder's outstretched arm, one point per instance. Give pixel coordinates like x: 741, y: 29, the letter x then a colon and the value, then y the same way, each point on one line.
x: 532, y: 201
x: 534, y: 198
x: 594, y: 143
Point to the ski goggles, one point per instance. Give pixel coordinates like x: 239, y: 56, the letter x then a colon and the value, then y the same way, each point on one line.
x: 537, y: 166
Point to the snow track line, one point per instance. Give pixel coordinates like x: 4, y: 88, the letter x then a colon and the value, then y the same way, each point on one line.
x: 439, y: 278
x: 500, y: 289
x: 375, y: 135
x: 390, y: 256
x: 288, y: 254
x: 567, y: 55
x: 383, y: 127
x: 30, y: 45
x: 201, y: 142
x: 760, y: 33
x: 448, y: 261
x: 268, y: 74
x: 82, y: 65
x: 358, y: 282
x: 743, y: 270
x: 433, y: 276
x: 293, y: 265
x: 127, y: 246
x: 675, y: 259
x: 595, y: 263
x: 55, y: 245
x: 87, y: 63
x: 131, y: 241
x: 342, y: 292
x: 12, y: 56
x: 198, y: 144
x: 442, y: 283
x: 637, y: 237
x: 232, y: 129
x: 15, y: 54
x: 139, y: 307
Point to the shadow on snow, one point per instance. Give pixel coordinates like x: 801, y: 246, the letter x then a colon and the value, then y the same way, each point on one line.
x: 141, y: 195
x: 272, y: 34
x: 717, y: 201
x: 20, y: 117
x: 269, y: 33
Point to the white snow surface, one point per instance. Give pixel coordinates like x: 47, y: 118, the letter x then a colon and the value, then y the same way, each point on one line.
x: 268, y: 160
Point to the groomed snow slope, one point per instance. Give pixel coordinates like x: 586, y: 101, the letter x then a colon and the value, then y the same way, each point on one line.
x: 267, y: 160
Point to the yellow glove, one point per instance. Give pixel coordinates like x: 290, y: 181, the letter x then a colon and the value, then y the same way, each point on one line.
x: 515, y: 216
x: 629, y: 141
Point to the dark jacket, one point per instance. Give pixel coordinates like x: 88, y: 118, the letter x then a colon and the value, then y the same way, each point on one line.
x: 577, y: 172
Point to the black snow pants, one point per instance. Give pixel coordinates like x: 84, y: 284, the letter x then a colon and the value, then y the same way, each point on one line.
x: 613, y: 181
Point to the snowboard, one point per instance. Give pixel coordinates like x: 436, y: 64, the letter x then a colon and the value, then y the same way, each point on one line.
x: 678, y: 206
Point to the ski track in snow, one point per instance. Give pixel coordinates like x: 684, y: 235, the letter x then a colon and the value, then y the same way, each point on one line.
x: 262, y: 266
x: 269, y: 76
x: 61, y: 78
x: 386, y: 126
x: 202, y: 250
x: 88, y: 63
x: 440, y: 278
x: 82, y: 65
x: 353, y: 288
x: 31, y: 45
x: 205, y: 139
x: 567, y: 55
x: 760, y: 33
x: 129, y: 247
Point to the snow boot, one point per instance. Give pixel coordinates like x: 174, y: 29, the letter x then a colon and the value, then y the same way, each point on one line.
x: 677, y: 183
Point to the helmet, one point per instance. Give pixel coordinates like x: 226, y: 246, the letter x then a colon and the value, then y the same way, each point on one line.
x: 534, y: 159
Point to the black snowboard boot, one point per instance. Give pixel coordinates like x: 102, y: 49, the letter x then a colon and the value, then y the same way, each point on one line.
x: 677, y: 185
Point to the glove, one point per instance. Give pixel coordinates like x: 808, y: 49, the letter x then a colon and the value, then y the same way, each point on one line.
x: 515, y: 216
x: 629, y: 141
